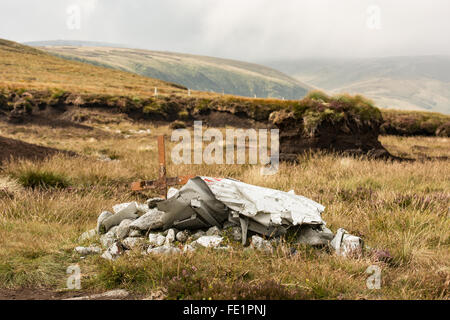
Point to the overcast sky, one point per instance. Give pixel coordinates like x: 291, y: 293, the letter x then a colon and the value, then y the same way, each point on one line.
x: 250, y: 30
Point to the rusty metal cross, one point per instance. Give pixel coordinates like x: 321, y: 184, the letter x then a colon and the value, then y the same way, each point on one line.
x: 163, y: 181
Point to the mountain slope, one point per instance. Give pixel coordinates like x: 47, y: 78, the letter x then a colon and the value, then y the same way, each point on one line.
x: 26, y: 67
x: 193, y: 71
x: 420, y: 83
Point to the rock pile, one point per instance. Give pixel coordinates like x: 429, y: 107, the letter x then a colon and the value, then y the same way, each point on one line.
x: 139, y: 226
x: 135, y: 226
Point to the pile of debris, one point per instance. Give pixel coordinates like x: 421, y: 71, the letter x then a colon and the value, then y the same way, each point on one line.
x: 211, y: 212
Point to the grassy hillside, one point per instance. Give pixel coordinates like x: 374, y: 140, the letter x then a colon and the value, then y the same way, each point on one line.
x: 193, y: 71
x: 414, y: 83
x: 25, y: 67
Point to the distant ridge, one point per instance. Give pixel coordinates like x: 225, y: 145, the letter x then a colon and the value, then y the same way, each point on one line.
x: 74, y: 43
x: 408, y: 82
x: 193, y: 71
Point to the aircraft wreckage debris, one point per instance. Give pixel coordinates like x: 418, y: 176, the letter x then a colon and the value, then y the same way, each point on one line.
x: 205, y: 211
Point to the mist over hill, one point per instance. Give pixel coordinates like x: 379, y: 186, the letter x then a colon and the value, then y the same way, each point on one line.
x: 413, y: 82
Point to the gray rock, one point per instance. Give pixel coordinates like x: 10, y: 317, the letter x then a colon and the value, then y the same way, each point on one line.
x: 84, y: 251
x: 88, y: 235
x: 142, y: 208
x: 188, y: 248
x: 108, y: 238
x: 152, y: 220
x: 260, y: 244
x: 165, y: 232
x: 182, y: 236
x: 169, y: 250
x: 317, y: 236
x: 156, y: 240
x: 101, y: 229
x: 126, y: 208
x: 170, y: 237
x: 236, y: 233
x: 153, y: 202
x: 135, y: 233
x: 123, y: 229
x: 124, y: 214
x: 213, y: 231
x: 171, y: 192
x: 208, y: 242
x: 198, y: 234
x: 113, y: 252
x: 131, y: 243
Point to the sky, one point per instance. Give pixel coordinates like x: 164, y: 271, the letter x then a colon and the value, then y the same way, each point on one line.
x: 249, y: 30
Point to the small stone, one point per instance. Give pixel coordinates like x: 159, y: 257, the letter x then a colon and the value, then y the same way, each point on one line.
x: 169, y: 250
x: 260, y: 244
x: 131, y: 243
x: 101, y: 229
x: 135, y: 233
x: 165, y: 232
x: 156, y: 240
x: 108, y: 238
x: 208, y: 241
x: 113, y: 252
x: 129, y: 212
x: 213, y: 231
x: 129, y: 208
x: 198, y: 234
x: 182, y: 236
x: 236, y: 233
x: 188, y: 248
x: 170, y: 237
x: 84, y: 251
x: 123, y: 229
x: 142, y: 208
x: 88, y: 235
x: 171, y: 192
x: 152, y: 220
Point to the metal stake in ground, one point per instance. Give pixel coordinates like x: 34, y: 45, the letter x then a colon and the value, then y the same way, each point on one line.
x: 163, y: 182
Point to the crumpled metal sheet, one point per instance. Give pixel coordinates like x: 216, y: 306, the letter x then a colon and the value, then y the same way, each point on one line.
x: 264, y: 205
x: 193, y: 207
x: 206, y: 201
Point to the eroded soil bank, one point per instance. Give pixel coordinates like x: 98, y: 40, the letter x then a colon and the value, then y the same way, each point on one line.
x: 347, y: 124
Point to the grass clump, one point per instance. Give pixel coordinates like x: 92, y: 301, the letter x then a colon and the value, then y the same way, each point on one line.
x: 42, y: 179
x: 318, y: 96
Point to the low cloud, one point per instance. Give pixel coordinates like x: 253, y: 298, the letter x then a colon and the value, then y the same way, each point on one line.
x: 252, y: 30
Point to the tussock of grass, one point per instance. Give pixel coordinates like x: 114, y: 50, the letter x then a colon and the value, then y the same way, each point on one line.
x: 42, y: 179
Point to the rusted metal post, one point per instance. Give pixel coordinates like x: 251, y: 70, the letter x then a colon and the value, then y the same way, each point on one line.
x: 162, y: 165
x: 163, y: 181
